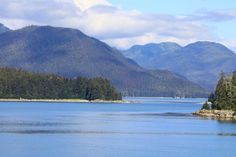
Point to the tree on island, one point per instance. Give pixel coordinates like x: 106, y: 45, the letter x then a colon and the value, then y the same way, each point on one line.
x: 206, y: 106
x: 224, y: 97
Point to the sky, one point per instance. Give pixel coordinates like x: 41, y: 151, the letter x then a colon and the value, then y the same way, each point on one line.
x: 124, y: 23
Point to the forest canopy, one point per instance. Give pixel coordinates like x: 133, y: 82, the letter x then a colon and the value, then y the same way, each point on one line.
x: 17, y: 83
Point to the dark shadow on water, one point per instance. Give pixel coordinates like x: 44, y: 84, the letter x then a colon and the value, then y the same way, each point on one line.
x: 168, y: 114
x: 162, y: 115
x: 34, y: 124
x: 220, y: 121
x: 227, y: 121
x: 32, y: 132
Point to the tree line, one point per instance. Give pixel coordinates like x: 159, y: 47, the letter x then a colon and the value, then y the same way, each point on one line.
x: 224, y: 97
x: 17, y: 83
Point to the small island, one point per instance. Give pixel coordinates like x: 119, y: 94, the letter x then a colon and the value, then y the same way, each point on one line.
x: 20, y: 85
x: 222, y: 103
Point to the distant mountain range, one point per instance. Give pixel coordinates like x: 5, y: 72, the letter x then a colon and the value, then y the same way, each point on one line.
x: 200, y: 62
x: 69, y: 52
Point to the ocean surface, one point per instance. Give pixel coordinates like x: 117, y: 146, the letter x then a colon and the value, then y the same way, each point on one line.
x: 153, y: 127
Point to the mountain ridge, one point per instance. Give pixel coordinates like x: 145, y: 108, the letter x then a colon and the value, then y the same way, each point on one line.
x: 71, y: 53
x: 200, y: 62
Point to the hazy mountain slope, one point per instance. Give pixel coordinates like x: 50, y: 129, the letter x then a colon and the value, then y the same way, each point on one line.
x: 3, y: 28
x: 200, y: 62
x: 146, y: 55
x: 70, y: 53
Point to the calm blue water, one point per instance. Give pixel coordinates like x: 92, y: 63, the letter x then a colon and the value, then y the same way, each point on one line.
x: 155, y: 127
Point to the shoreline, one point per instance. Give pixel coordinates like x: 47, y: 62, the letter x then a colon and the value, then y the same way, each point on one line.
x: 65, y: 101
x: 217, y: 114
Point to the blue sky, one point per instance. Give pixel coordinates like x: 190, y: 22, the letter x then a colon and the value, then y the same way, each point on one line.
x: 174, y: 6
x: 124, y: 23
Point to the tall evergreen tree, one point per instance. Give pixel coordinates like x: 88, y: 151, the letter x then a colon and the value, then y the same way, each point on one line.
x: 220, y: 93
x: 234, y: 91
x: 225, y: 94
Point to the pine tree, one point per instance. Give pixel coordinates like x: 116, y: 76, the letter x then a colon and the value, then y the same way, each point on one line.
x: 220, y: 93
x: 224, y: 97
x: 206, y: 106
x: 211, y: 98
x: 234, y: 91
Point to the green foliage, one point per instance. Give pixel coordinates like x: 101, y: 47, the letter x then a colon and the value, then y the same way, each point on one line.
x: 21, y: 84
x: 224, y: 97
x: 211, y: 97
x: 206, y: 106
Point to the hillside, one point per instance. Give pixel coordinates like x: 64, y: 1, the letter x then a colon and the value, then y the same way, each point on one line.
x: 200, y: 62
x: 71, y: 53
x: 3, y: 28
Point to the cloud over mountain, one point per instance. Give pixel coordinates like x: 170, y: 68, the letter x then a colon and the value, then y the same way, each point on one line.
x: 116, y: 26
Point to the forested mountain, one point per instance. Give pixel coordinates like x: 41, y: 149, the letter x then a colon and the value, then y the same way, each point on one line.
x: 71, y: 53
x: 22, y: 84
x: 147, y: 55
x: 3, y: 28
x: 200, y: 62
x: 224, y: 97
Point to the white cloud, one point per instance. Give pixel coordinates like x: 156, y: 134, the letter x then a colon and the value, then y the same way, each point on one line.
x: 17, y: 23
x: 86, y: 4
x: 215, y: 16
x: 230, y: 43
x: 118, y: 27
x: 125, y: 28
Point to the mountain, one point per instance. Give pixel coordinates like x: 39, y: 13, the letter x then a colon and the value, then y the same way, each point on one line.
x: 3, y: 28
x: 146, y: 55
x: 200, y: 62
x: 69, y: 52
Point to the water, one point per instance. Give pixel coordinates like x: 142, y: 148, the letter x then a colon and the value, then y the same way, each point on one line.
x: 153, y: 127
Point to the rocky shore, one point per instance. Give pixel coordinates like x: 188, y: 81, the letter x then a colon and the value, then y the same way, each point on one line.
x: 217, y: 114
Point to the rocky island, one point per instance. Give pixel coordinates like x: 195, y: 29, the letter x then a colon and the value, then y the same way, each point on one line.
x: 222, y: 103
x: 217, y: 114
